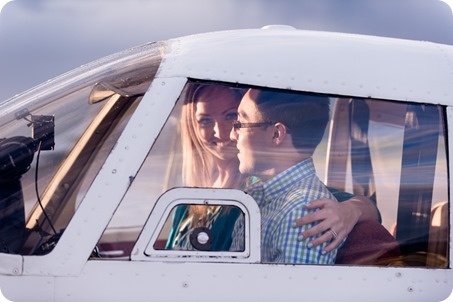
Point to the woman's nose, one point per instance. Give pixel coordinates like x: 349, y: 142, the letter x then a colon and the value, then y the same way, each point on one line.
x: 222, y: 129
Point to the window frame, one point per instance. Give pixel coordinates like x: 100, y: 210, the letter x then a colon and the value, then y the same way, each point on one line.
x: 144, y: 248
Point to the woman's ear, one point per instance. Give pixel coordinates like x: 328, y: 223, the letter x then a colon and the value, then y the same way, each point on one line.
x: 280, y: 133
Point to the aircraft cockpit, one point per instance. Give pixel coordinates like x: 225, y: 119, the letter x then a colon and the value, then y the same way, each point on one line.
x: 405, y: 143
x: 394, y: 153
x: 160, y: 163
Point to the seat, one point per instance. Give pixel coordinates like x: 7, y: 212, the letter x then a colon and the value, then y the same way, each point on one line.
x: 369, y: 243
x: 438, y: 245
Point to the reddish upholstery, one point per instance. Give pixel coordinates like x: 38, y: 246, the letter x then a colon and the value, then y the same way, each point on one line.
x: 369, y: 243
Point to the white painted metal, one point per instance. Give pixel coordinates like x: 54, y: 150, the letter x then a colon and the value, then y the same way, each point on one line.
x: 324, y: 62
x: 11, y: 265
x: 174, y: 281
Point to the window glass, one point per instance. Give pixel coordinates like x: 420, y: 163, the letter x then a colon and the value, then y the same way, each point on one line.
x: 288, y: 148
x: 211, y: 231
x: 69, y: 125
x: 69, y: 122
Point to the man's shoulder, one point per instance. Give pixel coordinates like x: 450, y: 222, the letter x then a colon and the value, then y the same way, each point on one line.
x: 303, y: 193
x: 307, y: 188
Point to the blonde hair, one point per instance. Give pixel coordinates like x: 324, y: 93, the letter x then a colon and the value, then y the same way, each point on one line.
x: 199, y: 165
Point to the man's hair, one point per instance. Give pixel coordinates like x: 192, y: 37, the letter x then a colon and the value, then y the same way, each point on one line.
x: 305, y: 115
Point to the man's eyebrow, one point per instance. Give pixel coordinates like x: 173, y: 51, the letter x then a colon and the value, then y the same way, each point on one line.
x: 242, y: 114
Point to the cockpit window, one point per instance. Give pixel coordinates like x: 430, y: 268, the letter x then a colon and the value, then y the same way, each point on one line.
x: 287, y: 149
x: 68, y: 126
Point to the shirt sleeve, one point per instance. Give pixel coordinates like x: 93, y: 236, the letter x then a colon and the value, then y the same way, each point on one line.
x: 291, y: 250
x: 238, y: 235
x: 179, y: 215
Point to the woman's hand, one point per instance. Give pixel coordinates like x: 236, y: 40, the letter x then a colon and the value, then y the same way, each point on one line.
x: 335, y: 220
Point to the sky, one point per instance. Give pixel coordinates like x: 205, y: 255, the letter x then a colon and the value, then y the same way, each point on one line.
x: 40, y: 39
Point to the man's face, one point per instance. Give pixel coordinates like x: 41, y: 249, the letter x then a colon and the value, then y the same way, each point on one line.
x: 254, y: 144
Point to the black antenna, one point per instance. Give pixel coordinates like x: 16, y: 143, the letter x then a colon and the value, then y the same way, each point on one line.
x: 43, y: 132
x: 37, y: 191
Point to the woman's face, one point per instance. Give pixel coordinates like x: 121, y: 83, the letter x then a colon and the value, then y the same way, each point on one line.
x: 216, y: 110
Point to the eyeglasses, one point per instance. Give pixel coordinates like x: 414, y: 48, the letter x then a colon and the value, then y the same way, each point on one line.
x: 238, y: 125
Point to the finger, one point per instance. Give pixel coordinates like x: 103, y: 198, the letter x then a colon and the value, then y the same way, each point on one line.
x: 326, y: 237
x: 334, y: 243
x: 309, y: 218
x: 316, y: 230
x: 319, y: 203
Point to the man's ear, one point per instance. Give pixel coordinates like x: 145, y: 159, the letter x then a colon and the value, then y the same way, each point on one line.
x: 280, y: 133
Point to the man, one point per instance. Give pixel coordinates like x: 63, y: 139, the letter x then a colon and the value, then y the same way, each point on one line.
x: 277, y: 133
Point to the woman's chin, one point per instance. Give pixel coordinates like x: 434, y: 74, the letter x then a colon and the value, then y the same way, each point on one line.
x: 225, y: 154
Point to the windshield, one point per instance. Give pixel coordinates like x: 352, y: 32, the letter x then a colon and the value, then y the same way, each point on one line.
x: 66, y: 121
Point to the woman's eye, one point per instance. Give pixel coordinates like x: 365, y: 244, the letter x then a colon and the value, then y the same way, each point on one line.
x: 205, y: 122
x: 232, y: 116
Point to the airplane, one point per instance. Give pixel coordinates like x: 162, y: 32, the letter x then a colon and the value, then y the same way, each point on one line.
x: 91, y: 161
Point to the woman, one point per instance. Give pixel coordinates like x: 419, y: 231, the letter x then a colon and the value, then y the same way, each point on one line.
x: 209, y: 156
x: 210, y: 160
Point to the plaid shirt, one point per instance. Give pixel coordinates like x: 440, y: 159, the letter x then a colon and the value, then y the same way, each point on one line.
x: 281, y: 201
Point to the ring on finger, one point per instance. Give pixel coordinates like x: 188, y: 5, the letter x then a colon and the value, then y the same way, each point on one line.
x: 334, y: 234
